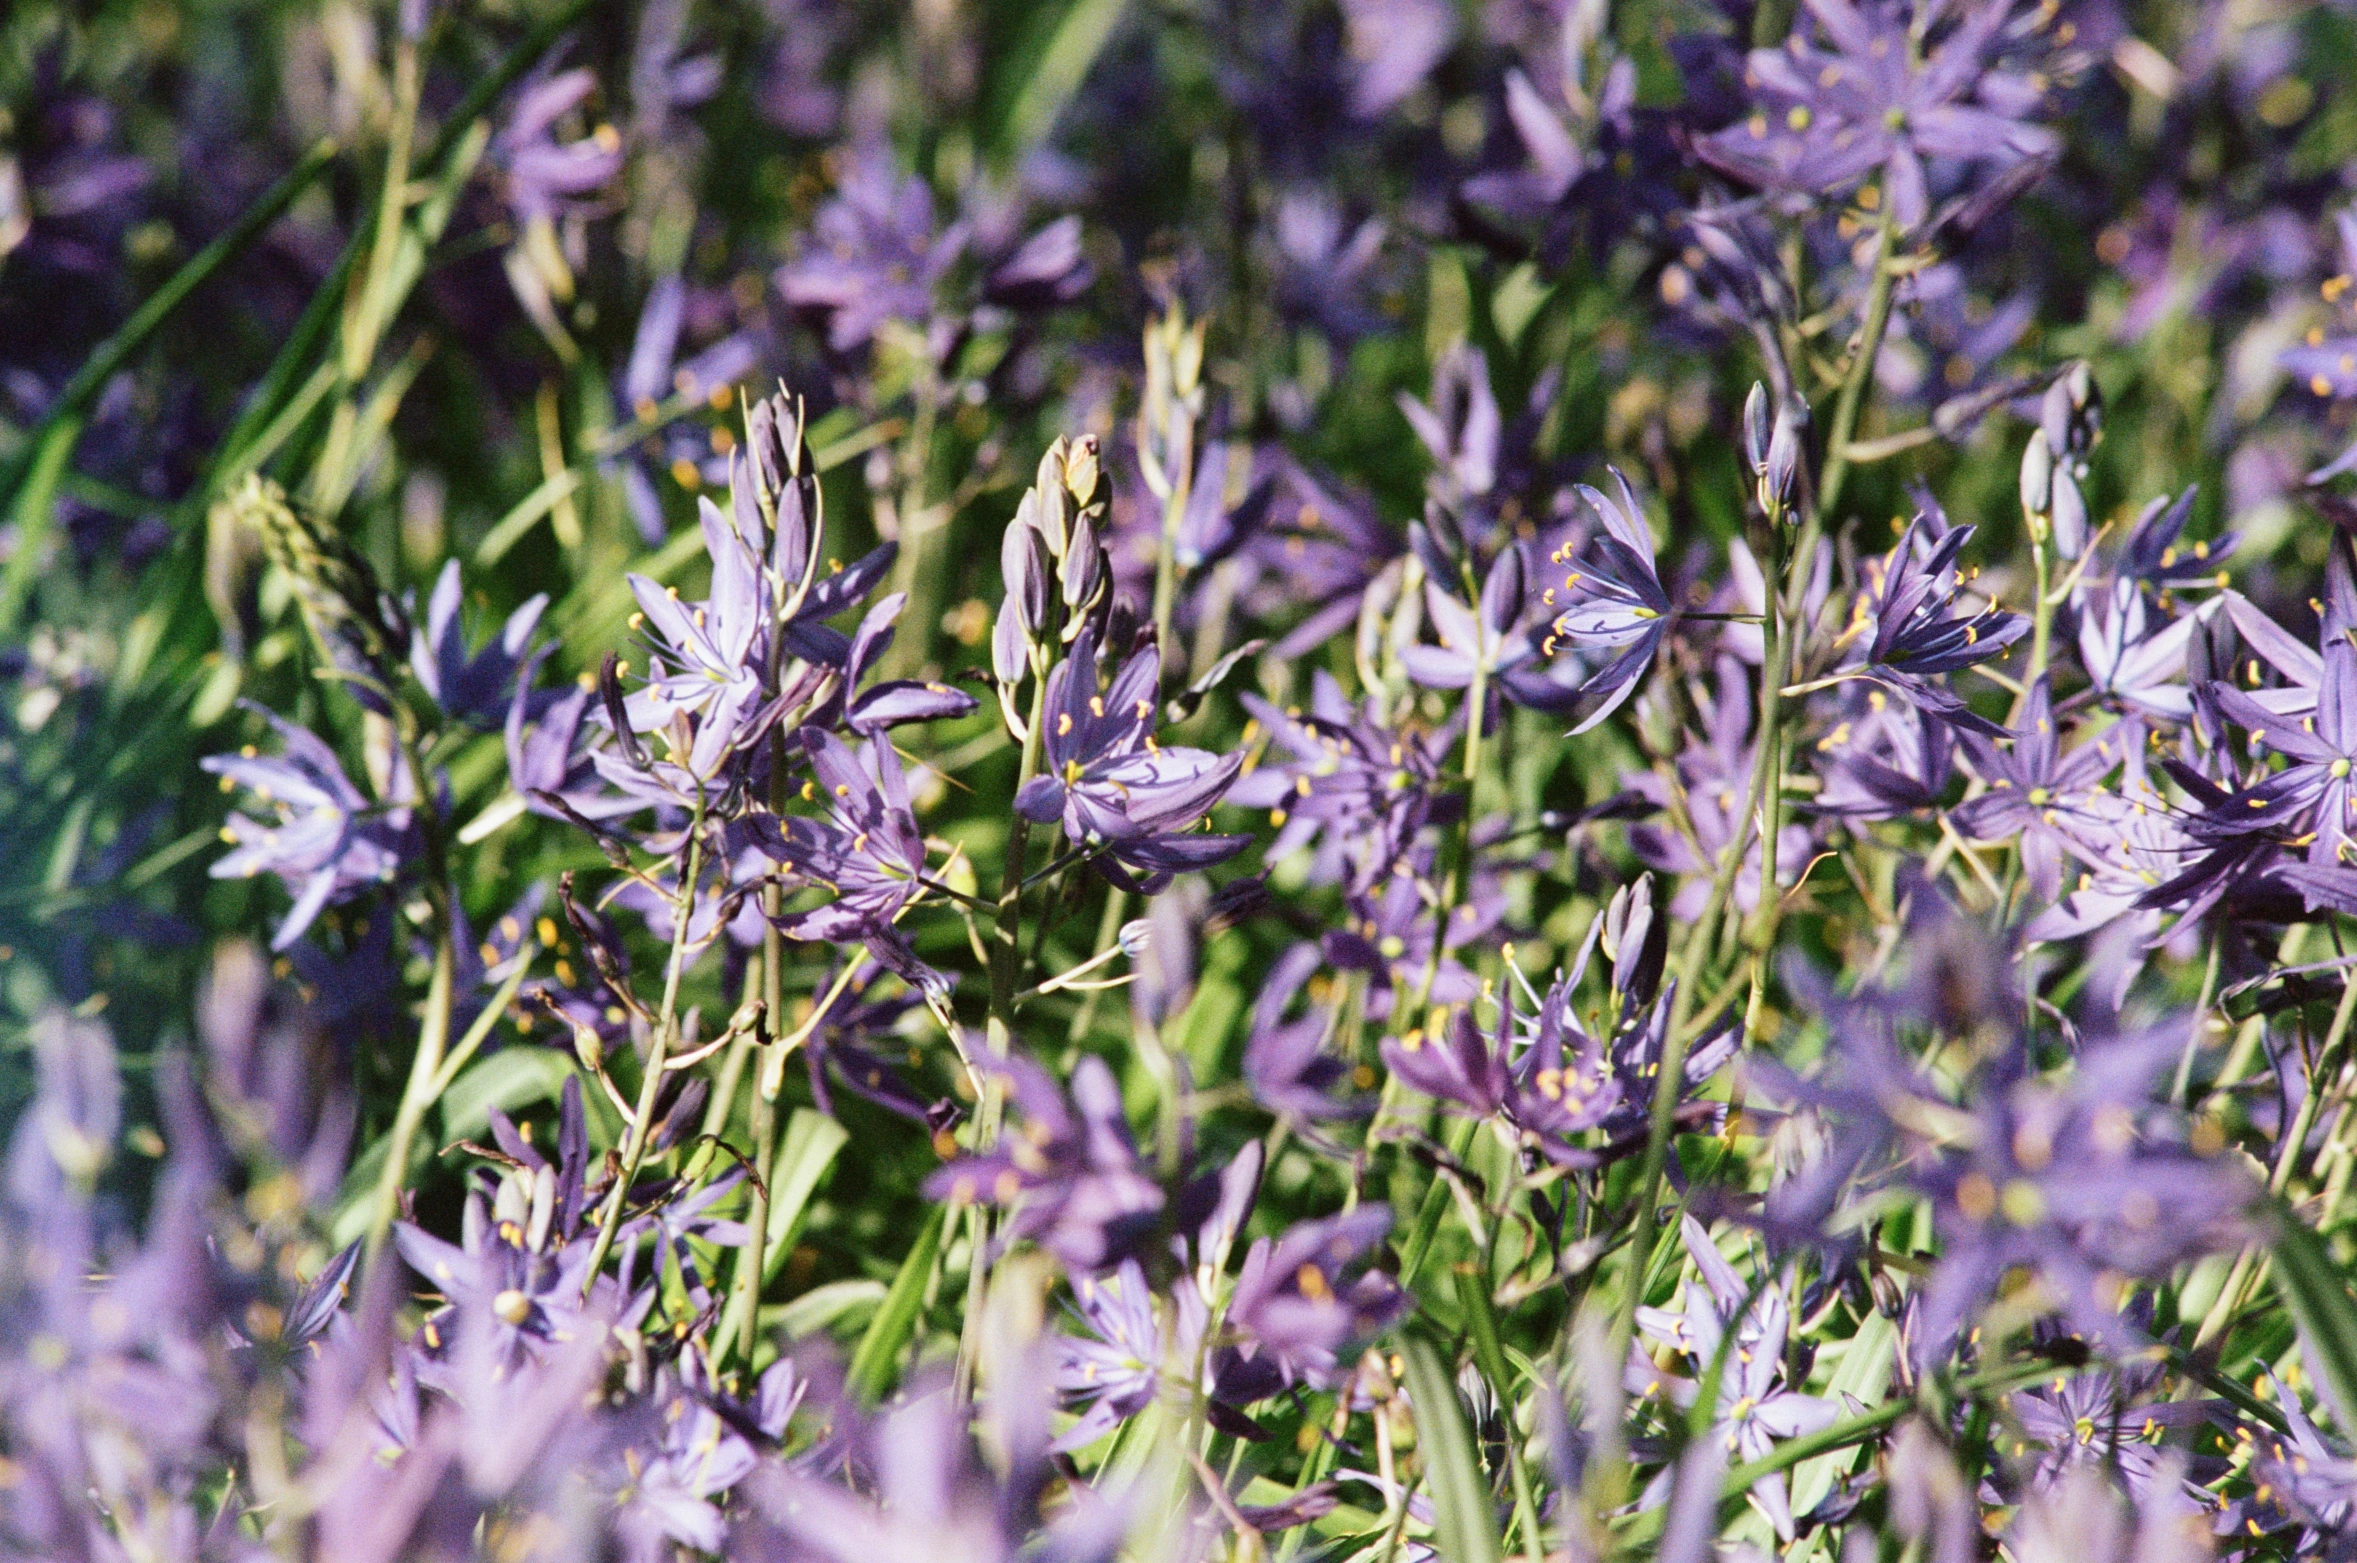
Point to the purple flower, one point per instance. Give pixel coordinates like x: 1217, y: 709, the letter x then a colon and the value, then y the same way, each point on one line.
x: 2152, y: 555
x: 1886, y: 760
x: 1286, y: 1061
x: 875, y: 254
x: 687, y: 1456
x: 926, y: 1493
x: 326, y: 841
x: 1318, y: 551
x: 1070, y: 1172
x: 516, y: 1300
x: 1303, y: 1300
x: 1907, y: 613
x: 2080, y: 1184
x: 704, y: 687
x: 2312, y: 796
x: 1113, y: 785
x: 2051, y: 800
x: 1457, y: 1065
x: 1490, y: 641
x: 1393, y: 935
x: 1756, y: 1409
x: 2308, y: 1482
x: 868, y: 851
x: 1867, y: 90
x: 545, y: 177
x: 893, y: 703
x: 2109, y: 1421
x: 1359, y: 789
x: 2136, y: 668
x: 2326, y: 366
x: 1613, y: 602
x: 1713, y: 791
x: 1115, y: 1370
x: 471, y: 688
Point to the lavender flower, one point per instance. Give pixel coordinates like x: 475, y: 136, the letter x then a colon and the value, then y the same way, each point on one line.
x: 326, y: 841
x: 2050, y: 801
x: 1876, y: 87
x: 868, y: 851
x: 1907, y: 614
x: 1113, y: 785
x: 1302, y: 1300
x: 472, y: 688
x: 1756, y: 1409
x: 2107, y: 1420
x: 2076, y: 1184
x: 875, y: 254
x: 1070, y: 1173
x: 546, y: 177
x: 704, y: 685
x: 1614, y: 601
x: 1115, y: 1370
x: 1358, y: 789
x: 933, y: 1497
x: 2312, y: 796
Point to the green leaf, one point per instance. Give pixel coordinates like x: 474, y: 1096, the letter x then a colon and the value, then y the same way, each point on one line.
x: 1864, y: 1373
x: 878, y: 1357
x: 511, y: 1078
x: 823, y: 1306
x: 2318, y: 1295
x: 1062, y: 65
x: 811, y: 1141
x: 1465, y: 1526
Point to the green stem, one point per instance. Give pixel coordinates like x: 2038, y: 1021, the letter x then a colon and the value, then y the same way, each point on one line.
x: 634, y: 1145
x: 1861, y: 373
x: 2229, y: 1300
x: 424, y: 1071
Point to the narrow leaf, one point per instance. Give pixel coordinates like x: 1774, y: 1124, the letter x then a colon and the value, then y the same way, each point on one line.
x: 878, y: 1357
x: 1465, y: 1526
x: 2320, y: 1303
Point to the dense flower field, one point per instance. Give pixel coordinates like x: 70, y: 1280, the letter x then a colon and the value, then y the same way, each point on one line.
x: 1178, y: 779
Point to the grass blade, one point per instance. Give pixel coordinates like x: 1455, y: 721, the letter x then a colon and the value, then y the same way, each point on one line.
x: 877, y: 1359
x: 1465, y: 1526
x: 2318, y: 1296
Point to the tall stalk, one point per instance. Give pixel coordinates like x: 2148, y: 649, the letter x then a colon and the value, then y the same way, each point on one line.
x: 1702, y: 938
x: 634, y: 1144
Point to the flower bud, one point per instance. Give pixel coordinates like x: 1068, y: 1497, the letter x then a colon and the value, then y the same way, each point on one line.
x: 2072, y: 413
x: 1755, y: 429
x: 1081, y: 470
x: 2069, y: 516
x: 1136, y: 935
x: 2037, y: 475
x: 1051, y: 507
x: 1786, y: 445
x: 1078, y: 573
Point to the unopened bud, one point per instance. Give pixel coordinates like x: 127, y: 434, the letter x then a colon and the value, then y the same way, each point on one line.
x: 2069, y: 517
x: 1081, y: 470
x: 1051, y: 507
x: 1786, y: 445
x: 2071, y: 413
x: 1755, y: 429
x: 1136, y: 935
x: 588, y: 1046
x: 2037, y: 475
x: 1078, y: 573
